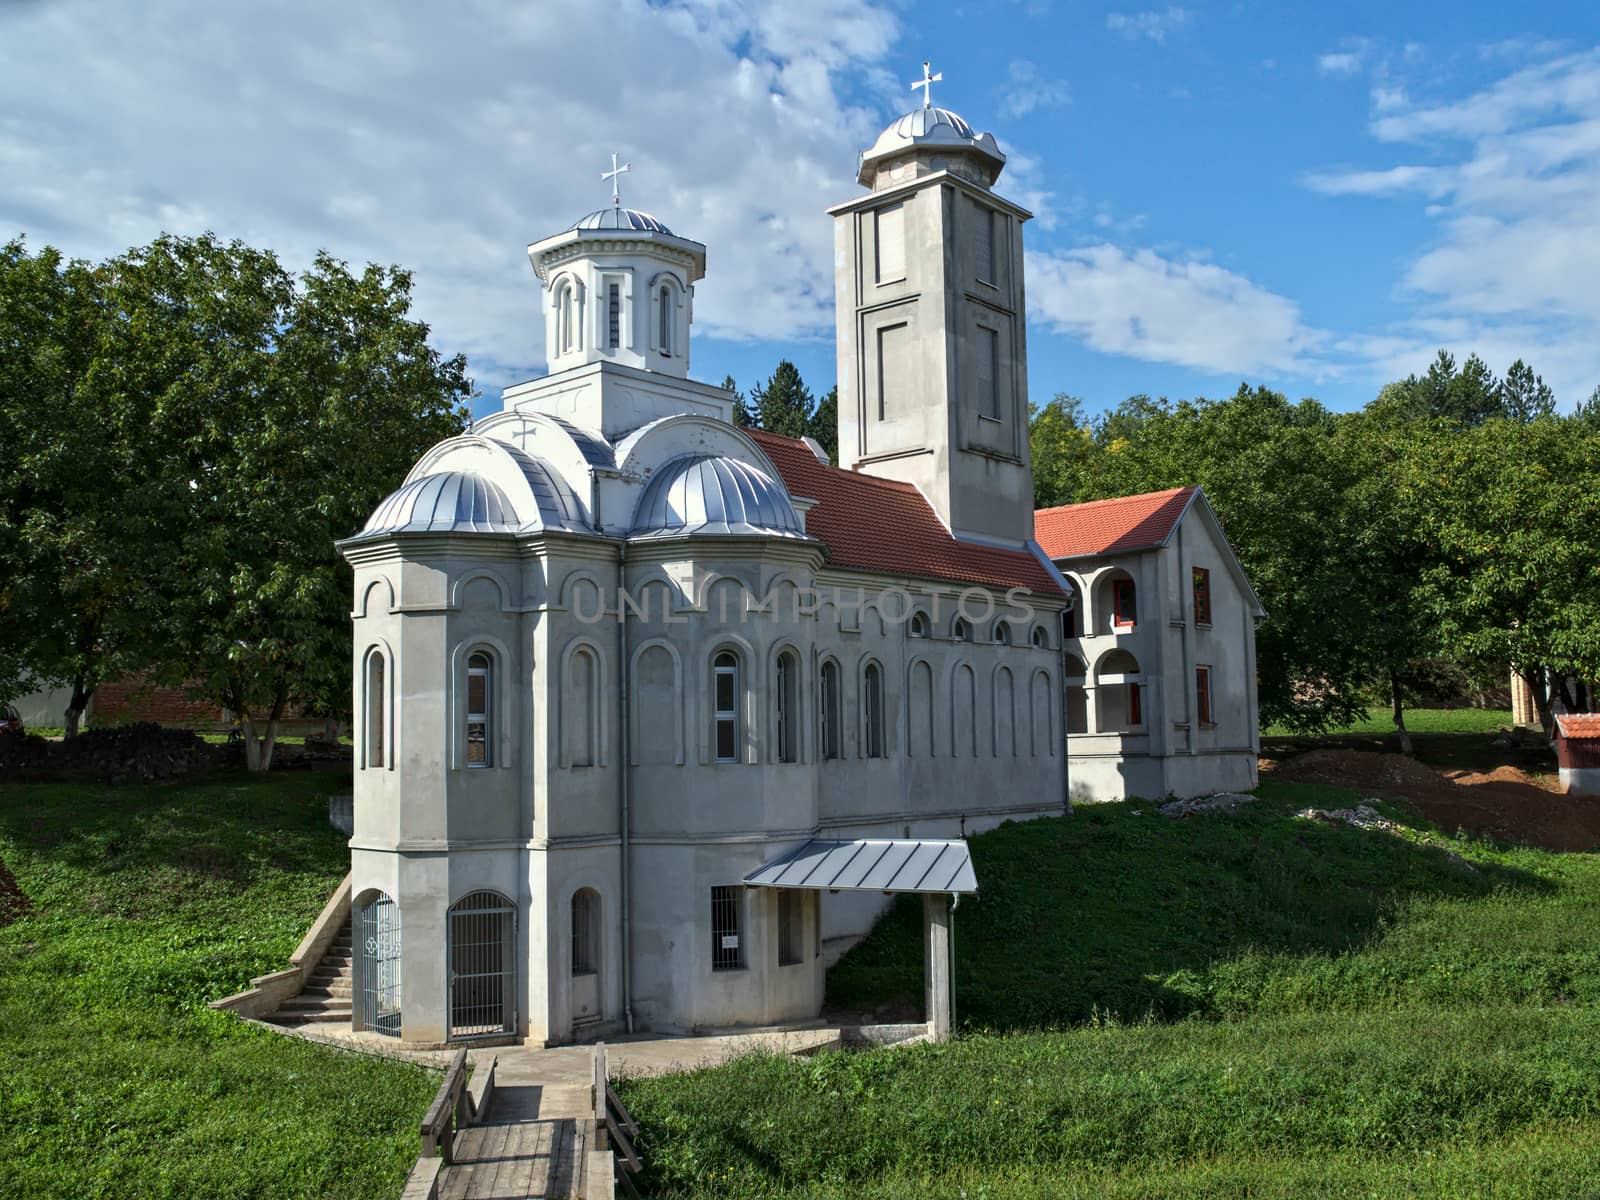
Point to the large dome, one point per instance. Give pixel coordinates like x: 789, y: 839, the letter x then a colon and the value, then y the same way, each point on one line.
x: 932, y: 129
x: 621, y: 218
x: 714, y: 494
x: 449, y: 502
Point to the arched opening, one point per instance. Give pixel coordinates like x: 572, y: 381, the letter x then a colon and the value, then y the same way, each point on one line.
x: 919, y: 625
x: 829, y: 713
x: 725, y: 691
x: 1002, y: 633
x: 483, y: 967
x: 566, y: 324
x: 960, y: 630
x: 1041, y: 638
x: 480, y: 738
x: 1116, y: 603
x: 374, y: 730
x: 580, y: 709
x: 872, y: 710
x: 665, y: 314
x: 586, y: 933
x: 375, y: 926
x: 786, y: 683
x: 1119, y: 694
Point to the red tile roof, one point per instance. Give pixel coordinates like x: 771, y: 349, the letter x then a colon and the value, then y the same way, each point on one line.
x: 887, y: 526
x: 1578, y: 726
x: 1110, y: 526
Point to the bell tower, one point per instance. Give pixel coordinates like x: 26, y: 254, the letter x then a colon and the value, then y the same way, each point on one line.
x: 933, y: 384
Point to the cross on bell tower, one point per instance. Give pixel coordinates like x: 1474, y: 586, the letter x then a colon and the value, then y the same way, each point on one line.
x: 613, y: 175
x: 926, y: 84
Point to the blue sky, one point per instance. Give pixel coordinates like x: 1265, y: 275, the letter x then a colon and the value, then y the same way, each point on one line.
x: 1314, y: 197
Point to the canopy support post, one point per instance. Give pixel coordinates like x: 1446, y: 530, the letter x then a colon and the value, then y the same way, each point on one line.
x: 937, y: 964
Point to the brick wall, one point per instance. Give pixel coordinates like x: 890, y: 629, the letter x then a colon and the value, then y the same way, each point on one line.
x: 127, y: 700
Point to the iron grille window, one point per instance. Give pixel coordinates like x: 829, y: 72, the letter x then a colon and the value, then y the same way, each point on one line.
x: 375, y: 697
x: 483, y: 971
x: 727, y: 944
x: 1202, y: 596
x: 376, y: 947
x: 614, y: 315
x: 480, y: 751
x: 1202, y: 694
x: 585, y: 931
x: 830, y: 710
x: 725, y: 706
x: 872, y: 703
x: 790, y: 927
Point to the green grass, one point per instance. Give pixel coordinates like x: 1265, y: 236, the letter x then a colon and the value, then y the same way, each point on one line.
x: 1243, y: 1005
x: 1421, y: 720
x: 148, y: 902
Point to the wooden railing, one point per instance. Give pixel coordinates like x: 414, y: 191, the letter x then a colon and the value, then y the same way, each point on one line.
x: 450, y: 1110
x: 614, y: 1125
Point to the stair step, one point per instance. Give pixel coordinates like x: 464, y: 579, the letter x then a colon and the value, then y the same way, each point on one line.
x: 329, y: 977
x: 325, y: 1016
x: 340, y: 990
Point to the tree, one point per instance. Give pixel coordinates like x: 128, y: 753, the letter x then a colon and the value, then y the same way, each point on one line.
x: 1062, y: 448
x: 1586, y: 416
x: 783, y: 404
x: 741, y: 411
x: 823, y: 424
x: 1525, y: 396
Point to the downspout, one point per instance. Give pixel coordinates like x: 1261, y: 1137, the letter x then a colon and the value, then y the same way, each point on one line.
x: 623, y: 779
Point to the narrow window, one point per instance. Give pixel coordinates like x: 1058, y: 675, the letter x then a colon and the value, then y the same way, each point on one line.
x: 375, y: 699
x: 890, y: 239
x: 959, y: 631
x: 614, y: 315
x: 585, y: 931
x: 788, y: 685
x: 789, y: 927
x: 479, y: 746
x: 1202, y: 694
x: 1041, y: 639
x: 564, y: 323
x: 1202, y: 596
x: 725, y: 707
x: 830, y: 709
x: 1002, y: 634
x: 985, y: 244
x: 872, y: 704
x: 919, y: 625
x: 727, y: 947
x: 989, y: 372
x: 1135, y: 709
x: 665, y: 315
x: 1122, y: 603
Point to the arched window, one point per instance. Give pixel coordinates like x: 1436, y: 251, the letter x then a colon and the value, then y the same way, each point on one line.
x: 787, y: 685
x: 872, y: 709
x: 919, y: 625
x: 665, y: 314
x: 725, y: 690
x: 830, y: 709
x: 1041, y: 639
x: 480, y: 741
x: 580, y: 710
x: 1002, y: 634
x: 376, y: 694
x: 960, y: 630
x: 565, y: 324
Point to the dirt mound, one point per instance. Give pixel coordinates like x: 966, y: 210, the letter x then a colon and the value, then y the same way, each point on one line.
x: 1506, y: 804
x: 14, y: 904
x: 143, y: 752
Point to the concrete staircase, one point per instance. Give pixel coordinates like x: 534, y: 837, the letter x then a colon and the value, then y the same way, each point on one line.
x: 327, y: 994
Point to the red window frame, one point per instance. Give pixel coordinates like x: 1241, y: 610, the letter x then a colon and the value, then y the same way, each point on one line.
x: 1202, y: 596
x: 1135, y: 708
x: 1202, y: 695
x: 1124, y: 603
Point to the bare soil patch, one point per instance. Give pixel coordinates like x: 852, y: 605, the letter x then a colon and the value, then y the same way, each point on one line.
x: 14, y: 903
x: 1506, y: 803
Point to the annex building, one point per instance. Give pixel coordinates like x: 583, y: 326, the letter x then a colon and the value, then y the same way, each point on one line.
x: 650, y: 706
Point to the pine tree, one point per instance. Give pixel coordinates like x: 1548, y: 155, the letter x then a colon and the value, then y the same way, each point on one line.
x: 741, y: 411
x: 824, y: 424
x: 783, y: 404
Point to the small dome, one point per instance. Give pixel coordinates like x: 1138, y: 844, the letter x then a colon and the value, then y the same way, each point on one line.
x: 713, y: 494
x: 933, y: 128
x: 450, y: 502
x: 621, y: 218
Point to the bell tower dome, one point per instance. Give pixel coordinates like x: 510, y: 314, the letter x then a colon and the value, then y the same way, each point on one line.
x: 933, y: 386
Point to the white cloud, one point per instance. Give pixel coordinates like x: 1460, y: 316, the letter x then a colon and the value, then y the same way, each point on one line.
x: 448, y: 138
x: 1154, y: 24
x: 1182, y: 311
x: 1342, y: 63
x: 1027, y: 90
x: 1511, y: 180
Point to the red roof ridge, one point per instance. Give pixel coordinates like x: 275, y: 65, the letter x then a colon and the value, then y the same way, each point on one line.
x: 1193, y: 487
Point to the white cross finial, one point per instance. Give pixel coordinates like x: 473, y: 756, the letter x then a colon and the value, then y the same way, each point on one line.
x: 926, y: 84
x: 616, y: 192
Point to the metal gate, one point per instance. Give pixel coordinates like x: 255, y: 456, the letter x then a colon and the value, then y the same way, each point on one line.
x: 377, y: 962
x: 483, y: 965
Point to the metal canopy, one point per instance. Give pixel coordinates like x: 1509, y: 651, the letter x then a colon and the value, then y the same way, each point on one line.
x: 871, y: 865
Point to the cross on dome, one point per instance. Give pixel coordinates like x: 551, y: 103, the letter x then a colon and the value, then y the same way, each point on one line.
x: 616, y: 192
x: 926, y: 84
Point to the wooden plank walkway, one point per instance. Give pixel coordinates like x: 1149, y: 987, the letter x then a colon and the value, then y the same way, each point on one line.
x: 532, y: 1146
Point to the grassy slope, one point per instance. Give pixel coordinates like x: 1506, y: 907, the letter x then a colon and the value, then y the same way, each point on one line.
x: 1264, y: 1006
x: 147, y: 903
x: 1423, y: 720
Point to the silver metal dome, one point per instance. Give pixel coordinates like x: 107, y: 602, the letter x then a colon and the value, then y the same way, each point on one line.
x: 935, y: 130
x: 713, y: 494
x: 926, y: 122
x: 450, y: 502
x: 621, y: 218
x: 558, y: 507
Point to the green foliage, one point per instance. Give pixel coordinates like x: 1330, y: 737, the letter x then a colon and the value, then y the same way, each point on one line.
x: 783, y: 403
x: 1061, y: 445
x: 1265, y: 1006
x: 1470, y: 394
x: 742, y: 415
x: 148, y: 902
x: 823, y: 424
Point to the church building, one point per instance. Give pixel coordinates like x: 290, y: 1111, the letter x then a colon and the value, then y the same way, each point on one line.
x: 650, y: 706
